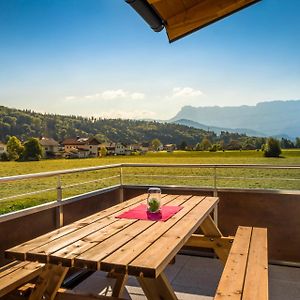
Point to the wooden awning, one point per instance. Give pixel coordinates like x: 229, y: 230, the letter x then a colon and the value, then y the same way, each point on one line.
x: 182, y: 17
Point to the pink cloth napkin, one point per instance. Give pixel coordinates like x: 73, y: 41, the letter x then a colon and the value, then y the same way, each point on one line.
x: 140, y: 212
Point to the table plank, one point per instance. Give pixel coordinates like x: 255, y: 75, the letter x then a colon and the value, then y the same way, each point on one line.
x: 155, y: 258
x: 232, y: 280
x: 256, y: 280
x: 93, y: 257
x: 67, y: 254
x: 20, y: 251
x: 127, y: 253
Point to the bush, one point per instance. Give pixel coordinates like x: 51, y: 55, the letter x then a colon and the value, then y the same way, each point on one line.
x: 4, y: 156
x: 14, y: 148
x: 272, y: 148
x: 32, y: 150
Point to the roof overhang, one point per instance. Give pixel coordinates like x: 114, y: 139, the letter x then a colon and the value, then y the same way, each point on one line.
x: 182, y: 17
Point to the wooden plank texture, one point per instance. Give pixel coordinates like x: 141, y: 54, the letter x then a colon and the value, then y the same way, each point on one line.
x: 256, y: 280
x: 232, y: 279
x: 20, y: 251
x: 92, y: 258
x: 119, y: 260
x: 18, y: 276
x: 157, y: 256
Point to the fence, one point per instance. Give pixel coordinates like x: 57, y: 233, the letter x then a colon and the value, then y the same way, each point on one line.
x: 55, y: 185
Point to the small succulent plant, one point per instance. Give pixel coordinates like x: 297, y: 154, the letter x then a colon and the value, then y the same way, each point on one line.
x: 153, y: 205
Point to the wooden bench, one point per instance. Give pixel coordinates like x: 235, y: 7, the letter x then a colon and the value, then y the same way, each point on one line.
x: 16, y: 274
x: 245, y: 274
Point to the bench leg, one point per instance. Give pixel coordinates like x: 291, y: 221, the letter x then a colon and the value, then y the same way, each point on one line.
x: 48, y: 282
x: 157, y: 288
x: 210, y: 229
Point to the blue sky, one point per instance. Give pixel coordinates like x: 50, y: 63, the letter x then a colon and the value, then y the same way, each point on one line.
x: 98, y: 57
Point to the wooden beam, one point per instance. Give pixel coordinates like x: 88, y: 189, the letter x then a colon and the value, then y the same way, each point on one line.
x: 62, y: 294
x: 48, y: 282
x: 201, y: 241
x: 154, y: 1
x: 210, y: 229
x: 157, y: 288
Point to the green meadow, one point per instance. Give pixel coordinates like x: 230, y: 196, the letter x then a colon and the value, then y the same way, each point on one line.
x: 78, y: 183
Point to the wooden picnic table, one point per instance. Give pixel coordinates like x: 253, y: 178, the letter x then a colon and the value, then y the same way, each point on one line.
x: 142, y: 248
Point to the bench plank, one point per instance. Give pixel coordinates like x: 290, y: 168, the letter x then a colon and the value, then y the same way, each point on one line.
x: 232, y: 279
x: 20, y: 274
x: 256, y: 280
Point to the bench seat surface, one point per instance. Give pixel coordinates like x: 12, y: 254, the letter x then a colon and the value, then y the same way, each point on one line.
x: 245, y: 275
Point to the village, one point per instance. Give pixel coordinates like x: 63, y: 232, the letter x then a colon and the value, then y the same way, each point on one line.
x: 81, y: 147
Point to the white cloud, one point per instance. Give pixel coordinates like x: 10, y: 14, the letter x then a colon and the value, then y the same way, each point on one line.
x: 137, y: 96
x: 186, y: 92
x: 68, y: 98
x: 113, y: 94
x: 109, y: 95
x: 135, y: 114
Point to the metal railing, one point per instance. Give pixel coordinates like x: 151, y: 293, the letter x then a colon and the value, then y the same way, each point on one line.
x: 123, y: 174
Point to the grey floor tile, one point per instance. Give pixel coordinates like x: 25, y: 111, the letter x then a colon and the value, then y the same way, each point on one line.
x: 284, y: 290
x: 196, y: 278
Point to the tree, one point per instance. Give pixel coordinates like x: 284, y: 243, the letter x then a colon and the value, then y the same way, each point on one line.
x: 297, y: 143
x: 155, y: 144
x: 205, y: 144
x: 103, y: 151
x: 32, y: 150
x: 4, y: 156
x: 183, y: 145
x: 14, y: 148
x: 286, y: 144
x: 272, y: 148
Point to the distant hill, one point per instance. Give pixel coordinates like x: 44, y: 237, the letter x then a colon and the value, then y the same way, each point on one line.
x: 218, y: 130
x: 274, y: 118
x: 26, y: 123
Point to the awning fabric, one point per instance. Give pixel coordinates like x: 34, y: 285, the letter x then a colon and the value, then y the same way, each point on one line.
x: 182, y: 17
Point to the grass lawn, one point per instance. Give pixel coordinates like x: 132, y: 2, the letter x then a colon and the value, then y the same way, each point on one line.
x: 197, y: 177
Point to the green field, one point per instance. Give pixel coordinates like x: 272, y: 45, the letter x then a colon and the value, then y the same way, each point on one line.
x: 191, y: 177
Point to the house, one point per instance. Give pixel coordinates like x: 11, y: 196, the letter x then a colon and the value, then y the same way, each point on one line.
x: 50, y: 147
x: 3, y: 148
x: 170, y: 147
x: 145, y: 147
x: 115, y: 148
x: 120, y: 149
x: 84, y: 147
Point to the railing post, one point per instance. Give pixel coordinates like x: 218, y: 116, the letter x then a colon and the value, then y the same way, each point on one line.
x: 215, y: 194
x: 121, y: 185
x: 121, y: 176
x: 59, y: 212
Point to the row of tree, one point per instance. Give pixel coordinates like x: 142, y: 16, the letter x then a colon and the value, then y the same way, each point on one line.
x: 26, y: 123
x: 30, y: 150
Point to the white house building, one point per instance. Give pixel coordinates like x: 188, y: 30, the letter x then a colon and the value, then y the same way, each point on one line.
x: 84, y: 147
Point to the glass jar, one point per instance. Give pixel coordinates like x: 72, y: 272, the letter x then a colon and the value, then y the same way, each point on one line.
x: 154, y: 200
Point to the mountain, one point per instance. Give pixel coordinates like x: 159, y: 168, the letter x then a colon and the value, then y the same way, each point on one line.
x: 274, y: 118
x: 218, y: 130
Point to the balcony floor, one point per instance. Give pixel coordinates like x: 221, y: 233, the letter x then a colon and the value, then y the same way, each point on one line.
x: 196, y: 278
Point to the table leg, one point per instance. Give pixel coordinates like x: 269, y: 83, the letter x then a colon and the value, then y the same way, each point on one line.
x: 119, y: 286
x: 157, y: 288
x: 48, y: 282
x: 210, y: 229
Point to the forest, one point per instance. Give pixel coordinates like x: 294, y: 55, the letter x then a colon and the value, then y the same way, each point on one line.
x: 26, y: 123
